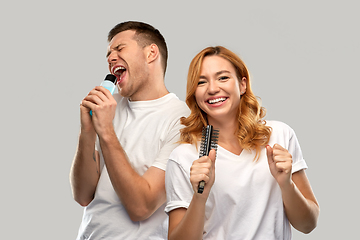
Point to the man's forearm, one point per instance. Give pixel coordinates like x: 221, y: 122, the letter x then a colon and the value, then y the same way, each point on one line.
x: 84, y: 172
x: 134, y: 191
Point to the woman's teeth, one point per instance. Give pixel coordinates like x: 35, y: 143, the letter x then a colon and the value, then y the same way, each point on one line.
x: 217, y: 100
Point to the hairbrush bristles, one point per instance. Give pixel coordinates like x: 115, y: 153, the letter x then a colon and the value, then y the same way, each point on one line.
x: 209, y: 141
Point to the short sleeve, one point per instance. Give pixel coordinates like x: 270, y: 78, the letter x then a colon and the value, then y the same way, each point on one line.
x: 296, y: 153
x: 284, y: 135
x: 168, y: 145
x: 171, y: 135
x: 179, y: 191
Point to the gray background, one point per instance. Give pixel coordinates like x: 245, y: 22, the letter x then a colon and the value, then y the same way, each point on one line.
x: 304, y: 61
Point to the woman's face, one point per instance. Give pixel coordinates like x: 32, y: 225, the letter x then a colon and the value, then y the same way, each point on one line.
x: 218, y: 91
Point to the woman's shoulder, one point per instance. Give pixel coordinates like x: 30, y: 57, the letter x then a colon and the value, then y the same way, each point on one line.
x: 278, y: 125
x: 184, y: 153
x: 183, y: 148
x: 280, y: 130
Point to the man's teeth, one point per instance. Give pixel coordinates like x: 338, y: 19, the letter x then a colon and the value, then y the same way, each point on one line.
x: 212, y: 101
x: 119, y: 70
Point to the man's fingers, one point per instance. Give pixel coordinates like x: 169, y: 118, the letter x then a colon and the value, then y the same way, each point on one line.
x: 97, y: 95
x: 104, y: 91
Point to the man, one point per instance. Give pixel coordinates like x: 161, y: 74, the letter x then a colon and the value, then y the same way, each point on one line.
x: 118, y: 171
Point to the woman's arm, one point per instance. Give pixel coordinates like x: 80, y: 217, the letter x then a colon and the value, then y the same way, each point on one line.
x: 189, y: 223
x: 300, y: 203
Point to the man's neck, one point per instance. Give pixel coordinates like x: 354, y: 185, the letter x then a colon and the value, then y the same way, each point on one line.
x: 154, y: 90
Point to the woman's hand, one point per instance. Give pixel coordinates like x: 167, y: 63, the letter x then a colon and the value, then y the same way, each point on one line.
x: 280, y: 164
x: 203, y: 169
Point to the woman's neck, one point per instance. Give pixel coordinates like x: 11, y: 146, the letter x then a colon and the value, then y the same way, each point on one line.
x: 227, y: 137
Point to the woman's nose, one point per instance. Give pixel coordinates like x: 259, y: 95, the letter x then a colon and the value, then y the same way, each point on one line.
x: 213, y: 87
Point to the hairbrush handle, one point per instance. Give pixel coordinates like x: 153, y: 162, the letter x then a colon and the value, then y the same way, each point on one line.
x: 208, y: 141
x: 201, y: 186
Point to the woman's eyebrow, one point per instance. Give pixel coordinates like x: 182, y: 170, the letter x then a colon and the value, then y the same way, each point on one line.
x: 216, y: 74
x: 221, y: 72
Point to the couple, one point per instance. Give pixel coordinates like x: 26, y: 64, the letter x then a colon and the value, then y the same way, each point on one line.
x: 132, y: 139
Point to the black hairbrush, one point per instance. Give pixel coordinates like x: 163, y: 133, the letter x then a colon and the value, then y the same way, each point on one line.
x: 208, y: 141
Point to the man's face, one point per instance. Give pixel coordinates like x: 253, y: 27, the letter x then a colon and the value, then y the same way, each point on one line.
x: 127, y: 61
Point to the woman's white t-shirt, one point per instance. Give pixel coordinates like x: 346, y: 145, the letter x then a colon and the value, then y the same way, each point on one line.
x: 245, y: 201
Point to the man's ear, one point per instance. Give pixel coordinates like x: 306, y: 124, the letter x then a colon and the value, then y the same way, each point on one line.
x: 152, y: 53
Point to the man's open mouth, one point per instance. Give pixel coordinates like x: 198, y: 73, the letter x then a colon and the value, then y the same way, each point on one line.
x: 118, y: 71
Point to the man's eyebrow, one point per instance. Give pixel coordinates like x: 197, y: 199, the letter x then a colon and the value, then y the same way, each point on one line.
x: 114, y: 48
x: 108, y: 53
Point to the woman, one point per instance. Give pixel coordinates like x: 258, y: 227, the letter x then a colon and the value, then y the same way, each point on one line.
x: 260, y: 187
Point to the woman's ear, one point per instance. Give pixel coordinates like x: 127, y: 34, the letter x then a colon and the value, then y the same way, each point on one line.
x: 243, y: 84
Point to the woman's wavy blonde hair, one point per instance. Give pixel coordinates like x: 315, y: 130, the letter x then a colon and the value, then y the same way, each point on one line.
x: 252, y: 131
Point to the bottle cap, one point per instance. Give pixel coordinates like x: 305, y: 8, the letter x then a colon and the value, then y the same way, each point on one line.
x: 111, y: 78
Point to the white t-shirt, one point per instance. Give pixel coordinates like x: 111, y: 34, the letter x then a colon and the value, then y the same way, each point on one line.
x: 148, y: 132
x: 245, y: 201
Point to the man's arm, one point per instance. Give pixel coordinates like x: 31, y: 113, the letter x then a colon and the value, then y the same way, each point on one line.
x: 85, y: 173
x: 140, y: 195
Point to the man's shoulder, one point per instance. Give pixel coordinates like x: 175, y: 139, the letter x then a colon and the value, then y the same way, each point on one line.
x: 172, y: 98
x: 175, y: 105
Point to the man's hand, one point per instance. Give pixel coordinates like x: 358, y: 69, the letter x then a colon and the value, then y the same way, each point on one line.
x: 103, y: 105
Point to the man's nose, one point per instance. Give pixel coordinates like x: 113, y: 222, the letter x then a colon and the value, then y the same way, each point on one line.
x: 113, y: 57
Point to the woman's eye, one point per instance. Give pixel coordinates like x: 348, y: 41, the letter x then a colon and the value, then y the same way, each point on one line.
x: 201, y: 82
x: 223, y: 78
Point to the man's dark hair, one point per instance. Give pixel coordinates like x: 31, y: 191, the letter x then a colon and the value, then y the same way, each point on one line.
x: 145, y: 35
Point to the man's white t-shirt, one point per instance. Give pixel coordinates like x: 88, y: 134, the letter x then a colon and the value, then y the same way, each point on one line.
x: 245, y: 201
x: 148, y: 132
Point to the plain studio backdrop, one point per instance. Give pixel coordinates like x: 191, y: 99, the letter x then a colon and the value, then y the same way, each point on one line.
x: 303, y: 57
